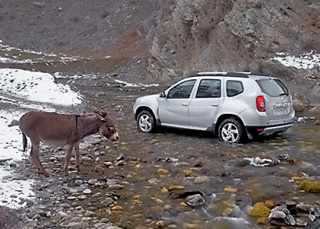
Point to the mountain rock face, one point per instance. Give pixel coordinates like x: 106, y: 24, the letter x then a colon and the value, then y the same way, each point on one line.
x: 162, y: 40
x: 244, y: 35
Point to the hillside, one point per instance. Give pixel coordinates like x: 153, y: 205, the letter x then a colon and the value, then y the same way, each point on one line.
x: 163, y: 40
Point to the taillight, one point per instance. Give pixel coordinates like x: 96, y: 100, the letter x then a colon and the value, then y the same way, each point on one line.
x: 261, y: 105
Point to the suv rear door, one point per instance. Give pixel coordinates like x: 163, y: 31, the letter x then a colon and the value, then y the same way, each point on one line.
x: 277, y: 99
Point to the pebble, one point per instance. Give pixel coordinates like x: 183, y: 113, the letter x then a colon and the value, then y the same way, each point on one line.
x: 87, y: 191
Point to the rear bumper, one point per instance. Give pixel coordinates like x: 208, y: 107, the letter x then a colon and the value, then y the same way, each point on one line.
x: 268, y: 130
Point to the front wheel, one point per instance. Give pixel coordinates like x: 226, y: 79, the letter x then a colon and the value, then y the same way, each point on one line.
x: 230, y: 130
x: 145, y: 122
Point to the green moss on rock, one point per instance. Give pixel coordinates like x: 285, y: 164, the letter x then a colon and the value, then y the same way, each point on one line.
x: 260, y: 212
x: 310, y: 186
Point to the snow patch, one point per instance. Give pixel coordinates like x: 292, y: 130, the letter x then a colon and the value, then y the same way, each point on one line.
x: 304, y: 61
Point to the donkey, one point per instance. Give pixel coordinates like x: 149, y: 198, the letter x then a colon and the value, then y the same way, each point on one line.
x: 58, y: 130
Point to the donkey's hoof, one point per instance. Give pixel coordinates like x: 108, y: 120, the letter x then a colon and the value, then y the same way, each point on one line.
x: 45, y: 173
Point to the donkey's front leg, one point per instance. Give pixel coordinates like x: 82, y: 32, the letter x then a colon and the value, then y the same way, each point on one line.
x: 67, y: 159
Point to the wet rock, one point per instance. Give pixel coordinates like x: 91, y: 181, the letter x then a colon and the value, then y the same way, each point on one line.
x: 230, y: 189
x: 260, y: 212
x: 162, y: 172
x: 176, y: 187
x: 168, y: 159
x: 261, y: 162
x: 314, y: 225
x: 290, y: 220
x: 160, y: 224
x: 310, y: 186
x: 301, y: 223
x: 195, y: 200
x: 200, y: 179
x: 276, y: 214
x: 116, y: 210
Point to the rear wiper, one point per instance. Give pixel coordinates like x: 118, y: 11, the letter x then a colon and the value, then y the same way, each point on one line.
x: 284, y: 93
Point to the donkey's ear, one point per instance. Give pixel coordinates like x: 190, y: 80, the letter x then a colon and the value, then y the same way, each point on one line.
x: 102, y: 115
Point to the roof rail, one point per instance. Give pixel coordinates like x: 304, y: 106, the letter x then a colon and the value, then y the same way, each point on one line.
x: 229, y: 74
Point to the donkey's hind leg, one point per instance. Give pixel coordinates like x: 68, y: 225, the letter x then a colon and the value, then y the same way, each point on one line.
x: 34, y: 153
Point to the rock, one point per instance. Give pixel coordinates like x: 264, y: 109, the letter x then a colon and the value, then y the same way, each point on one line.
x: 200, y: 179
x: 99, y: 169
x: 176, y: 187
x: 300, y: 102
x: 195, y: 200
x: 107, y: 202
x: 290, y: 220
x: 87, y: 191
x: 230, y: 189
x: 120, y: 157
x: 92, y: 181
x: 277, y: 215
x: 120, y: 163
x: 162, y: 172
x: 87, y: 159
x: 260, y: 212
x: 115, y: 187
x: 310, y: 186
x: 116, y: 210
x: 9, y: 219
x: 160, y: 224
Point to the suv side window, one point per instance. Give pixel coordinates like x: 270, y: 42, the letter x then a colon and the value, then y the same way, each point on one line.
x: 234, y: 88
x: 209, y: 88
x: 182, y: 90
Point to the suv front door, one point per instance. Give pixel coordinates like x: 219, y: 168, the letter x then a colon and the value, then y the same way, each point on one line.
x: 203, y: 107
x: 173, y: 110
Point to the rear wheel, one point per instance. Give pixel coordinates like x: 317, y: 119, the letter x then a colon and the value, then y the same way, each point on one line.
x: 145, y: 122
x: 230, y: 130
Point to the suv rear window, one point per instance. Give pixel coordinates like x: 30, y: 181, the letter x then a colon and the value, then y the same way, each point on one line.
x: 272, y: 87
x: 234, y: 88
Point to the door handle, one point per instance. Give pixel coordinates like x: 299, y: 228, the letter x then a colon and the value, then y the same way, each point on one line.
x: 215, y: 105
x: 184, y: 104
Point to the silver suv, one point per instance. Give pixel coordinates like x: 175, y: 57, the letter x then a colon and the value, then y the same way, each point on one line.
x: 233, y: 105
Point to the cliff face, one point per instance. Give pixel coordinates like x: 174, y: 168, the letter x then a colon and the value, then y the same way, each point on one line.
x: 233, y: 35
x: 244, y: 35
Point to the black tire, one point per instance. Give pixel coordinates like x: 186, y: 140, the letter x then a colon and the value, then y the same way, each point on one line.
x: 146, y: 122
x: 230, y: 130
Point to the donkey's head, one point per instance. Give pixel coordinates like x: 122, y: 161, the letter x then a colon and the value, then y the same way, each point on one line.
x: 108, y: 128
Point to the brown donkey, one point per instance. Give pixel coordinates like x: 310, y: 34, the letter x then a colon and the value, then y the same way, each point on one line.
x: 58, y: 130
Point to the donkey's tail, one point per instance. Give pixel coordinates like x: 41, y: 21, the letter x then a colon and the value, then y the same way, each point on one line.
x: 24, y: 142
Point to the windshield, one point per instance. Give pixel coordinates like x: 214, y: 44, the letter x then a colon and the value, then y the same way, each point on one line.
x: 273, y: 87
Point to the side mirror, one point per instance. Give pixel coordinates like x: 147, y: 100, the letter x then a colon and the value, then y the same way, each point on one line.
x: 162, y: 95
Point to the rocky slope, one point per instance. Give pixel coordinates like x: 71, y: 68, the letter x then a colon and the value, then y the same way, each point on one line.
x: 163, y: 40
